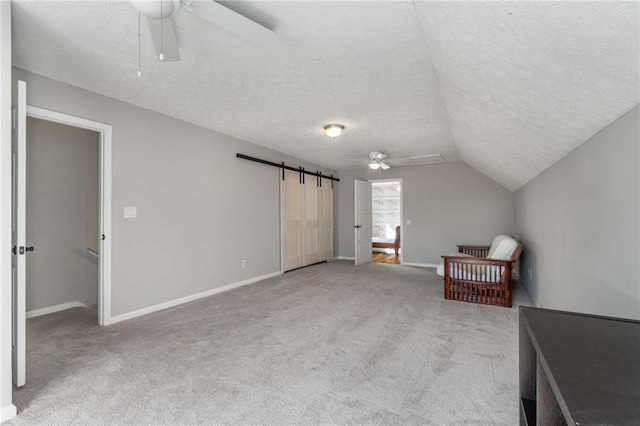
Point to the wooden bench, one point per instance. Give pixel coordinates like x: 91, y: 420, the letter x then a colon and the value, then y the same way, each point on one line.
x: 478, y: 279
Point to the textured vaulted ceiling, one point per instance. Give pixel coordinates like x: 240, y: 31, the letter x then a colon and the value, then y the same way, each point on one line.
x: 525, y: 83
x: 508, y: 87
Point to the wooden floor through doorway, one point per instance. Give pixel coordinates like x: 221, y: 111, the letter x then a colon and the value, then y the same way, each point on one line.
x: 385, y: 258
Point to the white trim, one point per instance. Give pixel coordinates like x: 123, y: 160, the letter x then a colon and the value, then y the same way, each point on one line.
x: 55, y: 308
x: 8, y: 412
x: 106, y: 141
x: 344, y: 258
x: 421, y: 265
x: 191, y: 298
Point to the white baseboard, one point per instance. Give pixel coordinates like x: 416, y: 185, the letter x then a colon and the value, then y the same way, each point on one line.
x: 343, y: 258
x: 191, y: 298
x: 8, y: 412
x: 56, y: 308
x: 526, y: 290
x: 421, y: 265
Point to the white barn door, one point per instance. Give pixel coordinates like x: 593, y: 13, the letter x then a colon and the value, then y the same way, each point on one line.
x: 291, y: 211
x: 306, y: 214
x: 311, y: 223
x: 326, y: 219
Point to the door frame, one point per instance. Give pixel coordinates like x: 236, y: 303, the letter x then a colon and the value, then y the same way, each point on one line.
x: 104, y: 237
x: 402, y: 224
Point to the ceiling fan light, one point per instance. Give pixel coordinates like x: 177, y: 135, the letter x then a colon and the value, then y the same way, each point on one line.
x: 333, y: 130
x: 157, y: 9
x: 374, y: 165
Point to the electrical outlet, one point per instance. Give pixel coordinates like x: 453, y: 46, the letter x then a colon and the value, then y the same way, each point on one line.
x: 244, y: 263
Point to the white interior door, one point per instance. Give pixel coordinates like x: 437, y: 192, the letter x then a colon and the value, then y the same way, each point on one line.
x: 362, y: 222
x: 20, y: 248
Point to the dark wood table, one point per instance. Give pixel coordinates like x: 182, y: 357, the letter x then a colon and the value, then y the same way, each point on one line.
x: 578, y: 369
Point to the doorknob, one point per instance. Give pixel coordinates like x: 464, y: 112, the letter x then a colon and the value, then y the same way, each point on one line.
x: 358, y: 226
x: 22, y: 249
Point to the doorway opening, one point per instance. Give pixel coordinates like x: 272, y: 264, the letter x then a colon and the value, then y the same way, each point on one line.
x: 97, y: 247
x: 101, y: 251
x: 62, y: 217
x: 386, y: 220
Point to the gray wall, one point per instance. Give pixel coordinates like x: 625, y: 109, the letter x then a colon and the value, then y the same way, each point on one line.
x: 201, y: 211
x: 578, y: 221
x: 448, y: 204
x: 62, y: 214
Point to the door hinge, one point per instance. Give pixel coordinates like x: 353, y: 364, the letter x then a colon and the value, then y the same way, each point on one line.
x: 14, y: 250
x: 103, y: 237
x: 13, y: 118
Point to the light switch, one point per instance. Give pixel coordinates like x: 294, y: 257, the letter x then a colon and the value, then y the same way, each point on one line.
x: 409, y: 222
x: 130, y: 212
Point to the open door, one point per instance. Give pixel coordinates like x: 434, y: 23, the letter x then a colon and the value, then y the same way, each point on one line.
x: 362, y: 222
x: 18, y: 235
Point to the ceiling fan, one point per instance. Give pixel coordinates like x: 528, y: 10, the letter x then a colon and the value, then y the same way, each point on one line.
x: 159, y: 13
x: 376, y: 161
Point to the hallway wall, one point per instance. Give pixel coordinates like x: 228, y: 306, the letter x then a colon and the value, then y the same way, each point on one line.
x: 62, y: 214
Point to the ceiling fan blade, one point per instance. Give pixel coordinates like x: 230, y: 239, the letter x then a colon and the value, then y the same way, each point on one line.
x: 167, y: 44
x: 383, y: 166
x: 417, y: 161
x: 233, y: 22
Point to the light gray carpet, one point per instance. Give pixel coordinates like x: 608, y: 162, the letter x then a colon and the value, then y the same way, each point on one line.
x: 329, y: 344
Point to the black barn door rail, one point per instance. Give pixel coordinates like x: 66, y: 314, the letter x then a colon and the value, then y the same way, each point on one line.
x: 283, y: 166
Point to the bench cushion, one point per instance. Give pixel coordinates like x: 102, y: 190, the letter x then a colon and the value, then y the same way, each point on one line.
x: 502, y: 247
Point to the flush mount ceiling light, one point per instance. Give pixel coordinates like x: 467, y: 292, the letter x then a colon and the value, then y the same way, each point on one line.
x: 333, y: 130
